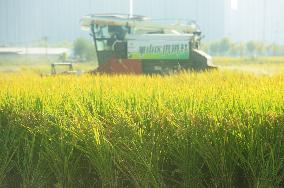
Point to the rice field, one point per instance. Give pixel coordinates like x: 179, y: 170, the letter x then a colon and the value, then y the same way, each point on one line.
x: 211, y: 129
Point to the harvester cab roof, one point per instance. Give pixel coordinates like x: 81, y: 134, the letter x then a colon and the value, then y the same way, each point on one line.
x: 138, y: 24
x: 138, y: 44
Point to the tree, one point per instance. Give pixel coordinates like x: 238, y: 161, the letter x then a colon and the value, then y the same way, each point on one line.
x: 225, y: 45
x: 234, y: 49
x: 214, y: 48
x: 260, y: 48
x: 251, y: 47
x: 221, y: 47
x: 241, y: 48
x: 84, y: 49
x: 274, y: 49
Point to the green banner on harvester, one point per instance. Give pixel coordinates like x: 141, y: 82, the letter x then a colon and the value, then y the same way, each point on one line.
x: 138, y: 49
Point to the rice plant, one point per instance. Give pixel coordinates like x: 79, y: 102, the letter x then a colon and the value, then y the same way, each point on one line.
x: 212, y: 129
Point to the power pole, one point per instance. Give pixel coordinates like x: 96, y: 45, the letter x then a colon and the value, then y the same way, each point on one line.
x: 131, y: 8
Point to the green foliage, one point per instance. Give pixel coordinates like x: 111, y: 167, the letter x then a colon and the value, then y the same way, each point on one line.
x: 214, y: 48
x: 84, y: 49
x: 221, y: 47
x: 226, y: 47
x: 255, y: 48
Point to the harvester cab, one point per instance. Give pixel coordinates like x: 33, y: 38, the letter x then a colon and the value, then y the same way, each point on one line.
x: 140, y: 45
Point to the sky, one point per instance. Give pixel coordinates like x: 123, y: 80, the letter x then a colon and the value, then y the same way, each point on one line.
x: 25, y: 21
x: 234, y: 5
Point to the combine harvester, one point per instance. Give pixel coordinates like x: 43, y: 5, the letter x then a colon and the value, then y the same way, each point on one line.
x: 128, y: 44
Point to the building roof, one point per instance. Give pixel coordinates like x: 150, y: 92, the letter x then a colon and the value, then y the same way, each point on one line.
x: 33, y: 51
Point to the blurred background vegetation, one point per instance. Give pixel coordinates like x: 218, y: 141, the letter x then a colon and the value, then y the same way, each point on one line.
x: 227, y: 47
x: 84, y: 49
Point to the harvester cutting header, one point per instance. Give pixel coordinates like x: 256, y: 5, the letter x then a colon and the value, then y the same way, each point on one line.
x: 137, y: 44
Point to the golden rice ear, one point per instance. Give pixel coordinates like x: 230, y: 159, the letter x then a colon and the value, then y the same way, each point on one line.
x: 219, y: 128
